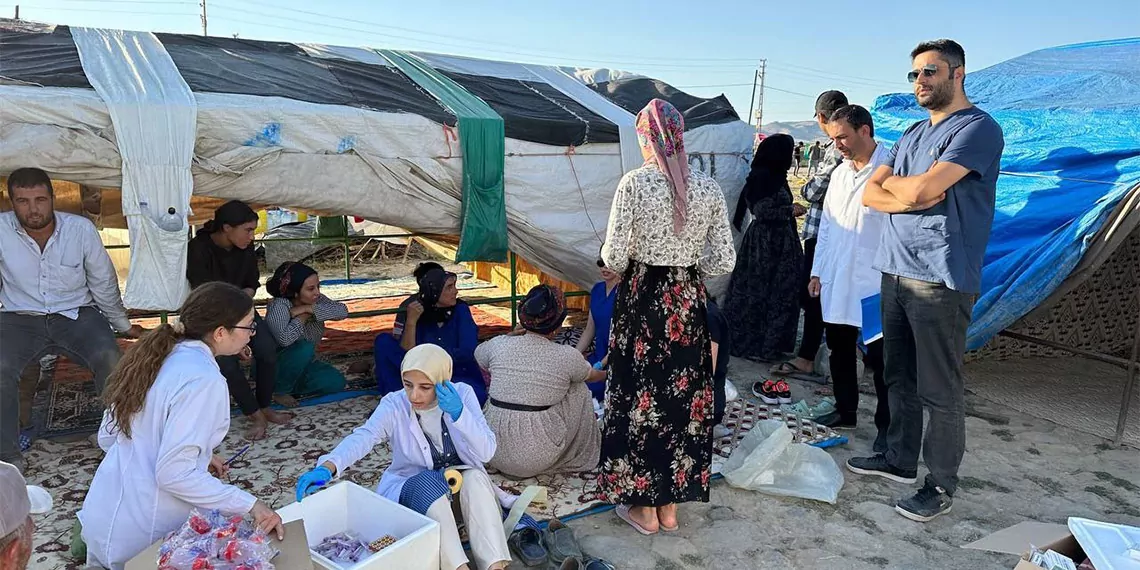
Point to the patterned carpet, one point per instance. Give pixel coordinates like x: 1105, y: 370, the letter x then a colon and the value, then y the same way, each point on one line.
x: 71, y: 407
x: 269, y: 469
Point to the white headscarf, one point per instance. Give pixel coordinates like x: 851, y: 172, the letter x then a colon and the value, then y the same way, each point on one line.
x: 430, y: 359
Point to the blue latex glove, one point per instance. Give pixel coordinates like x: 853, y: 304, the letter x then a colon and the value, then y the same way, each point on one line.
x: 449, y: 400
x: 312, y: 481
x: 598, y: 365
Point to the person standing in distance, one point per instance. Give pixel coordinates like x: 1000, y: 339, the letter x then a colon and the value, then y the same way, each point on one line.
x: 938, y: 186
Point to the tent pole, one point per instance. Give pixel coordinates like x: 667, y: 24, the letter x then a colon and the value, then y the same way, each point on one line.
x: 1129, y: 386
x: 514, y: 291
x: 347, y: 253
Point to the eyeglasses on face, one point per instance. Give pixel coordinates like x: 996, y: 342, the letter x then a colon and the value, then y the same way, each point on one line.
x: 252, y: 328
x: 928, y: 70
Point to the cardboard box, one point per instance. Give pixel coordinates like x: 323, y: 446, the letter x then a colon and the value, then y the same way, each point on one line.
x: 294, y: 551
x: 1018, y: 538
x: 347, y: 506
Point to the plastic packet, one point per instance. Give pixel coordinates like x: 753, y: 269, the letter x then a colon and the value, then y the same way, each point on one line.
x: 344, y: 547
x: 213, y: 540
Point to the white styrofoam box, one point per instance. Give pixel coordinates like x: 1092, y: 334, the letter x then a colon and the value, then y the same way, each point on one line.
x: 347, y: 506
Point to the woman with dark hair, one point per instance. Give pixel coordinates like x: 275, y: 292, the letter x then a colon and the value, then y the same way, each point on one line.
x: 762, y: 303
x: 597, y: 331
x: 539, y: 407
x: 223, y: 251
x: 296, y: 316
x: 167, y: 410
x: 668, y: 230
x: 436, y: 316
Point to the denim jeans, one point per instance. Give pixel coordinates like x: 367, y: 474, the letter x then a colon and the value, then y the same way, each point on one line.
x: 924, y: 335
x: 88, y: 341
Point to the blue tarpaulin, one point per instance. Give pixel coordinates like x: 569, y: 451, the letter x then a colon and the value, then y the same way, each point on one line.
x: 1071, y: 117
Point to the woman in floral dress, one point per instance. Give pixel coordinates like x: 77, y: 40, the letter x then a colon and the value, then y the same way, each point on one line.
x: 657, y: 432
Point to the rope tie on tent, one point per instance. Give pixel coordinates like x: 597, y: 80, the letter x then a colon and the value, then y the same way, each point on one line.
x: 449, y: 135
x: 585, y: 123
x: 570, y: 151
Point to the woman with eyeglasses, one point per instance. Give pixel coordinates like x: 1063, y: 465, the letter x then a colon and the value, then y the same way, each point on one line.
x: 223, y: 251
x: 168, y: 408
x: 296, y: 317
x: 597, y: 331
x: 436, y: 316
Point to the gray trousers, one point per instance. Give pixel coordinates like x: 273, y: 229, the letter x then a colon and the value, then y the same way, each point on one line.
x: 924, y: 335
x: 88, y: 341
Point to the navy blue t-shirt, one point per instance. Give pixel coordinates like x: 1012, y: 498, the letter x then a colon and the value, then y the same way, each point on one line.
x: 947, y: 243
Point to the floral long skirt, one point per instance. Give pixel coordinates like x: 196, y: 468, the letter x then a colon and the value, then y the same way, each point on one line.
x: 657, y: 431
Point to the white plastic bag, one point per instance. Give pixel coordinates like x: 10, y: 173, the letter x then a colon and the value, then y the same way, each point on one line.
x: 767, y: 461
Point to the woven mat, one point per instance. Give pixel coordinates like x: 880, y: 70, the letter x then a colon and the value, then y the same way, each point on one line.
x: 1075, y: 392
x: 269, y: 469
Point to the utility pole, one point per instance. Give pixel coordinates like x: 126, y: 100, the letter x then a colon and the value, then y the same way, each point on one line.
x: 17, y: 11
x: 204, y: 18
x: 760, y: 110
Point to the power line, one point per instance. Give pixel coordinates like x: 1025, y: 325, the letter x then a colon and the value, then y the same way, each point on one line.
x: 106, y: 11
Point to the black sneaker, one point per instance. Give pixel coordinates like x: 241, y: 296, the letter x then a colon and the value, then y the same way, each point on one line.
x: 877, y: 465
x: 834, y: 420
x: 928, y: 503
x: 772, y: 392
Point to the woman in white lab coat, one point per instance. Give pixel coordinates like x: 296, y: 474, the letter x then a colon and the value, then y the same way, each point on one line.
x: 168, y: 408
x: 431, y: 425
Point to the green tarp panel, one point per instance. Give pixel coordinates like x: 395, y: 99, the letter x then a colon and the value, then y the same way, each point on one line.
x: 483, y: 214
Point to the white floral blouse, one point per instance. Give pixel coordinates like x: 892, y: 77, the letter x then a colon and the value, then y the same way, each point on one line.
x: 641, y: 225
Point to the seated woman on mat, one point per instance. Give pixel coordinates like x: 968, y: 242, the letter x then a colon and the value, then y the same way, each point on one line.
x: 431, y: 425
x: 539, y: 407
x: 167, y: 410
x: 223, y: 251
x: 435, y: 315
x: 598, y: 324
x: 296, y: 316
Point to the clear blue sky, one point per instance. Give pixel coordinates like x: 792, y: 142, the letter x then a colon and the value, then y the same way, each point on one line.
x: 707, y: 47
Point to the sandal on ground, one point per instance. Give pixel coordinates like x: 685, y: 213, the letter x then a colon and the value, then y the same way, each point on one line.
x: 560, y: 542
x: 788, y: 370
x: 526, y: 543
x: 623, y: 514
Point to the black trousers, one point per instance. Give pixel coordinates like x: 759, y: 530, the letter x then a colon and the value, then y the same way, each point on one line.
x: 843, y: 341
x: 264, y: 371
x: 813, y: 311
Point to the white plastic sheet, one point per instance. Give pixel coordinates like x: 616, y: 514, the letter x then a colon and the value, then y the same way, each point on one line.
x: 769, y: 462
x: 154, y: 114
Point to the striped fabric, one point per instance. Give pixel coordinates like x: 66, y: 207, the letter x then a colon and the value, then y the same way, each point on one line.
x: 420, y: 491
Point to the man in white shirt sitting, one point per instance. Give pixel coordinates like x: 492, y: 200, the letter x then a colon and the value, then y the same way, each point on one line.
x: 842, y: 275
x: 59, y: 294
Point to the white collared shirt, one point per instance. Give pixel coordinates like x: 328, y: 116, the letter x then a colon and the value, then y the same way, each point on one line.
x: 72, y: 271
x: 848, y: 241
x: 395, y: 422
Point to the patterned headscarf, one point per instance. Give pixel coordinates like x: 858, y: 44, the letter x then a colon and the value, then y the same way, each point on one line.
x: 660, y: 132
x: 543, y: 309
x: 288, y: 279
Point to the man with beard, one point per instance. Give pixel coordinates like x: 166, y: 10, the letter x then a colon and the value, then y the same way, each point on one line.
x: 938, y: 186
x: 58, y: 293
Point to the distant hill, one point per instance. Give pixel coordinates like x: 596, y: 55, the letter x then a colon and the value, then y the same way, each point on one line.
x: 800, y: 130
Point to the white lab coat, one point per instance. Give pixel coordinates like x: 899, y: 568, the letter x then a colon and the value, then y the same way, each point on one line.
x: 848, y: 241
x: 395, y: 422
x: 146, y: 485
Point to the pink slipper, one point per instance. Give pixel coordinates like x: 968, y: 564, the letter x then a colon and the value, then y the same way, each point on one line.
x: 623, y: 514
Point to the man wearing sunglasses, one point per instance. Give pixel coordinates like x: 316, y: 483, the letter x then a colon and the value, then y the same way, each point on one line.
x: 938, y: 185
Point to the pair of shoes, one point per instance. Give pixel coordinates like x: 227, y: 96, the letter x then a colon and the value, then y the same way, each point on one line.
x: 877, y: 465
x: 930, y: 502
x: 623, y: 514
x: 835, y: 420
x: 772, y: 392
x: 526, y: 544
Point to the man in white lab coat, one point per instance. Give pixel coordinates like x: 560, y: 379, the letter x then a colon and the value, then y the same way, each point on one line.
x: 842, y: 276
